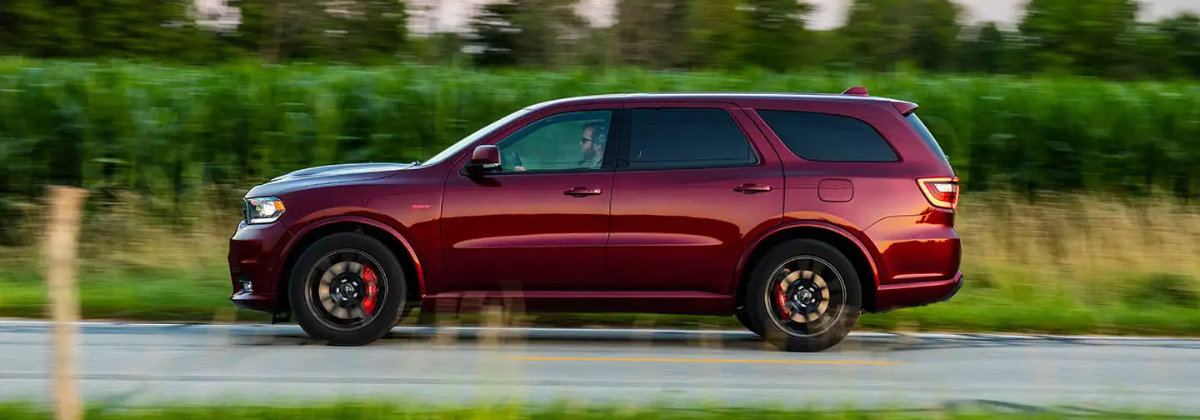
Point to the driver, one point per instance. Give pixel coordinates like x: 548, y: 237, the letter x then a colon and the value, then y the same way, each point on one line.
x: 591, y: 146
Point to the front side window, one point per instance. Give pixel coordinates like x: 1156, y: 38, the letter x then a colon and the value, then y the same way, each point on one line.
x: 572, y: 141
x: 829, y: 138
x: 676, y: 138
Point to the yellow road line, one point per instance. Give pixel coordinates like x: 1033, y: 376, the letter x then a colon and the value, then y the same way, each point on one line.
x: 673, y: 360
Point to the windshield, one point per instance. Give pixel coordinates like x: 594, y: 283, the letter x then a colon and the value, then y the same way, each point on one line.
x: 466, y: 141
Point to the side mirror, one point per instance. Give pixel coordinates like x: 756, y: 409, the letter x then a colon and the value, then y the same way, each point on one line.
x: 484, y: 159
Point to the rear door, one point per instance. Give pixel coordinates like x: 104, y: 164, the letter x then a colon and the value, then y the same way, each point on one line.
x: 695, y: 183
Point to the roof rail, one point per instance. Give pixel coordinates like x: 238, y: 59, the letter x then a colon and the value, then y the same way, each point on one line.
x: 857, y: 91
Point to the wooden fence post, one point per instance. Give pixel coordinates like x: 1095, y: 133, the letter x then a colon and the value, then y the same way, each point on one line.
x: 62, y: 232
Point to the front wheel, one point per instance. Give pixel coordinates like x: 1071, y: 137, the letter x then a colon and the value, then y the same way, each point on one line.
x: 744, y: 318
x: 805, y: 296
x: 347, y: 288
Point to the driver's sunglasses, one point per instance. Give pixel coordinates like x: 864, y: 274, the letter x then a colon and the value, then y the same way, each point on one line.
x: 585, y: 140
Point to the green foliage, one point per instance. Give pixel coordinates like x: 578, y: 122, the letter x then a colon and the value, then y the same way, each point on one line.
x: 355, y: 30
x: 989, y: 50
x: 728, y: 34
x: 776, y: 33
x: 935, y: 28
x: 1168, y: 48
x: 715, y: 29
x: 881, y: 33
x: 109, y: 28
x: 526, y: 32
x: 171, y: 132
x: 1096, y: 38
x: 495, y: 34
x: 1088, y: 37
x: 651, y: 34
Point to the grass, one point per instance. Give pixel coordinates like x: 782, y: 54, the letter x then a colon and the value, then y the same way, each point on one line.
x: 355, y: 411
x: 1058, y: 264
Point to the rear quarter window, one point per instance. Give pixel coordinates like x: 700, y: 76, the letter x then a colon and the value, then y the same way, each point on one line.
x: 926, y: 136
x: 829, y: 138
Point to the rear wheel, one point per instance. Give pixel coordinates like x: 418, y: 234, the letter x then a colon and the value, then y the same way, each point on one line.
x: 805, y: 296
x: 347, y: 288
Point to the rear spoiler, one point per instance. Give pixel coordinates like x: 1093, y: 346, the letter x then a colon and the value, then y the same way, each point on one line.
x: 905, y: 108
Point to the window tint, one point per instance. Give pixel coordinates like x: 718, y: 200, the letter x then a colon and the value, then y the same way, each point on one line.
x: 563, y: 142
x: 686, y: 138
x: 829, y: 138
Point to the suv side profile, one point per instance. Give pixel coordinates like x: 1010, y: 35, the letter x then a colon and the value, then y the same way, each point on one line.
x: 792, y: 212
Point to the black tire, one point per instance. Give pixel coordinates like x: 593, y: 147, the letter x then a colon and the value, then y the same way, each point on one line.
x: 345, y: 250
x: 744, y: 318
x: 808, y: 271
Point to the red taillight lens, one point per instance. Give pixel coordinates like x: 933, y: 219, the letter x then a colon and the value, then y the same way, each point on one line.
x: 941, y: 192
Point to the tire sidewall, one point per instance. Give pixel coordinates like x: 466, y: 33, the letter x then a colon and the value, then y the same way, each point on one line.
x: 299, y: 282
x: 760, y: 280
x: 743, y: 317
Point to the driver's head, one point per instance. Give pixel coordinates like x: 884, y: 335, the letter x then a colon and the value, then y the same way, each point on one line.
x: 591, y: 144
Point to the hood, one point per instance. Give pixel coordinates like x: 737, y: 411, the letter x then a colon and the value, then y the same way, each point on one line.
x: 342, y: 169
x: 328, y: 174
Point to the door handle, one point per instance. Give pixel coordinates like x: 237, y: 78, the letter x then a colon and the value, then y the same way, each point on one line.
x: 582, y: 192
x: 752, y: 188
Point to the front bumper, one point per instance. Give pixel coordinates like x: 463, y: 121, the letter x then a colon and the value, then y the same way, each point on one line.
x: 256, y: 256
x: 905, y: 295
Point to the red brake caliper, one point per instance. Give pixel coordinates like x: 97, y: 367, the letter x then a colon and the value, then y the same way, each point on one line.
x: 779, y: 300
x: 372, y: 281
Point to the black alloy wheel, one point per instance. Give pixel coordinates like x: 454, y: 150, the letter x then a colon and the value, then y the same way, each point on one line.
x: 805, y: 295
x: 347, y: 288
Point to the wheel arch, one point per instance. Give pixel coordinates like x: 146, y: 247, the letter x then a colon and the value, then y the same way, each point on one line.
x: 390, y: 237
x: 840, y: 238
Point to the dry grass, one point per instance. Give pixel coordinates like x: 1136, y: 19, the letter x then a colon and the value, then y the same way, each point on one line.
x: 1056, y: 263
x: 1088, y: 246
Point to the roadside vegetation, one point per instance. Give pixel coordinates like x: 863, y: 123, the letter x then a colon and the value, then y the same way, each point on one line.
x: 176, y: 135
x: 1062, y: 263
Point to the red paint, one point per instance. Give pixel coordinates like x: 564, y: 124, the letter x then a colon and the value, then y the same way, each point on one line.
x: 668, y: 241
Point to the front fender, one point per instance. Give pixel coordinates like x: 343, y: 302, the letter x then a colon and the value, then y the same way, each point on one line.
x: 314, y: 225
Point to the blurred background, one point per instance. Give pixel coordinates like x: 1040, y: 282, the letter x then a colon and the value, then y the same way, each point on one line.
x: 1075, y: 126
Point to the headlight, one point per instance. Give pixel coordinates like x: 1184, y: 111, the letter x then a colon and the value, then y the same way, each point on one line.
x: 263, y: 210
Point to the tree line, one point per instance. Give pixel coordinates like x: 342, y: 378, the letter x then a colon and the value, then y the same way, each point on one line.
x: 1095, y: 37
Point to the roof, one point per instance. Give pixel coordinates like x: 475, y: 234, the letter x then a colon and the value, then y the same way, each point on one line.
x: 685, y: 96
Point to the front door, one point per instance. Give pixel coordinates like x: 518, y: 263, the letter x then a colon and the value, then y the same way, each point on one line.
x: 695, y: 183
x: 541, y: 222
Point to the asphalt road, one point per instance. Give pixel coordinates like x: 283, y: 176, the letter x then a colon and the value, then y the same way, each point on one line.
x: 147, y: 364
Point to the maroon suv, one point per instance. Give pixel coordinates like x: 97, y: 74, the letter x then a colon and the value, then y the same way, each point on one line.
x: 792, y: 212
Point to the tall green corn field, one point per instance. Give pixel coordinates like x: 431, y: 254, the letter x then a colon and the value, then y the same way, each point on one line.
x: 172, y: 133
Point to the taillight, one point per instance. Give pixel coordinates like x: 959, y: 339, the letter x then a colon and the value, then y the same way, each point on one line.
x: 941, y: 192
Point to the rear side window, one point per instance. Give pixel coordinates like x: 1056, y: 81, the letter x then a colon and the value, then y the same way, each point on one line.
x: 686, y: 138
x: 927, y: 136
x: 829, y: 138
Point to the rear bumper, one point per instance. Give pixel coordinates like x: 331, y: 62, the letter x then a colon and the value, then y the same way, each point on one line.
x: 905, y: 295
